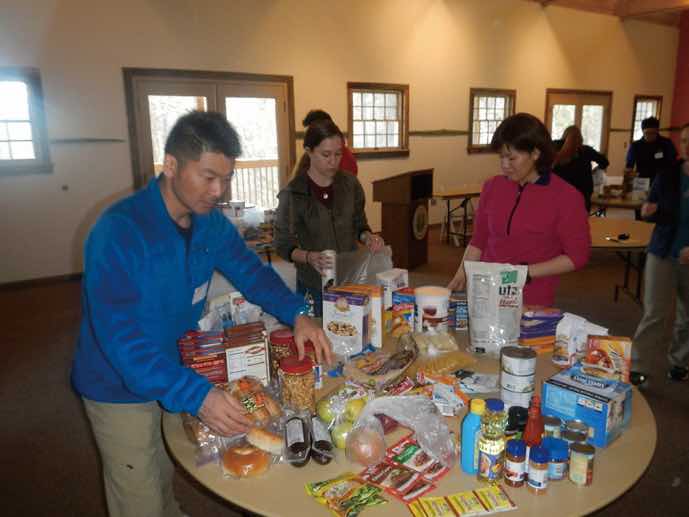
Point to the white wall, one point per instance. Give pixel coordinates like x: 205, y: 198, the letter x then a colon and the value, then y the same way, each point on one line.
x: 440, y: 48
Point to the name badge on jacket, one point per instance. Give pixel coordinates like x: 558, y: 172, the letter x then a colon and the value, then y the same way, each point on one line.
x: 200, y: 293
x: 659, y: 155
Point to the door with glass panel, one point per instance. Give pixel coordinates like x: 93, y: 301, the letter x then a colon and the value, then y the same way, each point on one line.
x: 257, y: 108
x: 589, y: 111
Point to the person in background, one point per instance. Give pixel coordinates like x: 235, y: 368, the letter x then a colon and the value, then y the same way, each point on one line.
x: 573, y: 162
x: 527, y: 215
x: 148, y: 264
x: 667, y: 268
x: 321, y: 208
x: 348, y: 161
x: 652, y: 152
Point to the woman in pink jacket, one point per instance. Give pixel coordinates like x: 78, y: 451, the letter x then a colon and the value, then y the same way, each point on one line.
x: 527, y: 215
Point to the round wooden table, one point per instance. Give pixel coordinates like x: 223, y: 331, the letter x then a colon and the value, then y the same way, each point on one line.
x: 281, y: 493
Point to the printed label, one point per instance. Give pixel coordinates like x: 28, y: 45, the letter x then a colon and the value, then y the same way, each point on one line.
x: 538, y: 478
x: 294, y: 432
x: 490, y: 462
x: 515, y: 471
x: 557, y: 470
x: 320, y: 433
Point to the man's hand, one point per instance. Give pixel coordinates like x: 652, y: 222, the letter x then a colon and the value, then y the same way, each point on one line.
x: 306, y: 329
x: 684, y: 255
x: 223, y: 413
x: 458, y: 282
x: 648, y: 209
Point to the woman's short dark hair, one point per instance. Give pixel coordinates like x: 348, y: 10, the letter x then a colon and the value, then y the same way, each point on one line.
x: 202, y: 131
x: 314, y: 115
x: 317, y: 131
x: 524, y: 132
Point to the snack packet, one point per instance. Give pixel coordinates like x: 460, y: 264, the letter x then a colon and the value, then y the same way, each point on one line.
x: 345, y: 495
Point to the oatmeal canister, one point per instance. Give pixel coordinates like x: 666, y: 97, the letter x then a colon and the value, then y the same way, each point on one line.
x: 297, y: 384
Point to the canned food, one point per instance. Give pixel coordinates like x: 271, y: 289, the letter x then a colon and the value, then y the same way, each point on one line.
x: 518, y: 360
x: 581, y: 458
x: 511, y: 398
x: 572, y: 437
x: 577, y: 426
x: 329, y: 275
x: 551, y: 426
x: 517, y: 383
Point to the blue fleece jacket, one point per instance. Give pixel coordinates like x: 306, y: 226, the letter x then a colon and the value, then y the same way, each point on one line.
x: 137, y: 291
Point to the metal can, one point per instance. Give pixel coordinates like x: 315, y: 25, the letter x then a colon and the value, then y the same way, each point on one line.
x: 572, y: 437
x: 329, y: 276
x: 518, y: 360
x: 577, y: 426
x: 511, y: 398
x: 581, y: 459
x: 551, y: 426
x: 517, y: 383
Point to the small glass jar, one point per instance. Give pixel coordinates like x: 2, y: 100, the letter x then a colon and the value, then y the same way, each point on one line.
x: 297, y: 441
x: 281, y: 346
x: 581, y: 464
x: 559, y: 457
x: 515, y: 463
x: 572, y: 437
x: 551, y: 426
x: 297, y: 384
x: 538, y: 470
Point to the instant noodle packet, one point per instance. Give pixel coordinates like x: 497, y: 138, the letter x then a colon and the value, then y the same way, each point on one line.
x: 345, y: 495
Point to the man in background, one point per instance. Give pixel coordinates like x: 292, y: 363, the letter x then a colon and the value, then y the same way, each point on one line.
x: 651, y: 153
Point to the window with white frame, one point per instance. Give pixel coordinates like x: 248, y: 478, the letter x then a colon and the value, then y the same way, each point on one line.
x: 23, y: 139
x: 644, y: 107
x: 487, y: 108
x: 378, y: 119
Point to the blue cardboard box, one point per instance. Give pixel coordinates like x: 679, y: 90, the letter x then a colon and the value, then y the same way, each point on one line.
x: 604, y: 405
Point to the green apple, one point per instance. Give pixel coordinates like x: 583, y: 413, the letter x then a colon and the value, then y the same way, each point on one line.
x: 325, y: 411
x: 353, y: 408
x: 340, y: 433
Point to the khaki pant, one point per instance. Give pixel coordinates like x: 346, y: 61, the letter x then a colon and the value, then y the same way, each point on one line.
x: 663, y: 278
x: 136, y: 468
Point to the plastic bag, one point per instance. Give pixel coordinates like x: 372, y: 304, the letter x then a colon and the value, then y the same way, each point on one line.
x: 361, y: 266
x: 417, y: 413
x: 495, y: 305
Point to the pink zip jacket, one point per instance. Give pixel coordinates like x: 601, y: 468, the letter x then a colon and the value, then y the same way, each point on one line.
x: 532, y: 224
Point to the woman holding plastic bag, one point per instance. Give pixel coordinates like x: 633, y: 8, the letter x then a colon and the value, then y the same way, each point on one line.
x: 528, y: 215
x: 321, y: 208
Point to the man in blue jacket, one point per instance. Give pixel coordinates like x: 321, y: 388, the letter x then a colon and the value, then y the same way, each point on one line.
x: 148, y: 264
x: 651, y: 153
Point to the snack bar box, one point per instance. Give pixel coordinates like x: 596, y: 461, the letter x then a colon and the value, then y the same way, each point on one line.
x: 375, y: 294
x: 604, y: 405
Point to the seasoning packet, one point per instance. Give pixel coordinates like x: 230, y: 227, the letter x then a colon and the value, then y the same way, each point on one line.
x: 409, y: 453
x: 345, y: 495
x: 400, y: 481
x: 479, y: 502
x: 436, y: 507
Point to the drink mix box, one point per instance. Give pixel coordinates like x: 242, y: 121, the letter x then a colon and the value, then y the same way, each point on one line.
x: 346, y: 320
x: 603, y: 404
x: 610, y: 356
x: 401, y: 319
x: 375, y: 294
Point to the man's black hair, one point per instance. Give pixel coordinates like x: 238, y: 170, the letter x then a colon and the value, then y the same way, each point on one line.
x: 650, y: 122
x: 202, y: 131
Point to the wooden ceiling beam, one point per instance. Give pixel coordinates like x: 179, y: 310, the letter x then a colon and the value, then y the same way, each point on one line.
x: 637, y: 8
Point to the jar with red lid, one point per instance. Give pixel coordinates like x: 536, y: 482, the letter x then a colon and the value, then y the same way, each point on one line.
x: 310, y: 352
x: 281, y: 346
x: 297, y: 383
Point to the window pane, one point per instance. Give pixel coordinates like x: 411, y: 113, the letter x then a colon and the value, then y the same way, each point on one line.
x: 592, y: 125
x: 379, y: 99
x: 393, y: 128
x: 381, y: 128
x: 164, y: 111
x: 500, y: 103
x: 393, y: 141
x: 3, y: 131
x: 482, y: 114
x: 367, y: 114
x: 491, y: 102
x: 391, y: 100
x: 4, y: 151
x: 358, y: 128
x: 14, y: 100
x: 356, y: 98
x: 22, y: 151
x: 563, y: 116
x: 379, y: 113
x: 255, y: 119
x: 381, y: 140
x: 368, y: 99
x: 370, y: 128
x: 370, y: 140
x: 358, y: 141
x: 481, y: 102
x: 356, y: 113
x: 391, y: 113
x: 19, y: 130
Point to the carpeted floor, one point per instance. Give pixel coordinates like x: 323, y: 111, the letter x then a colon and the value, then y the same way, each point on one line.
x: 50, y: 464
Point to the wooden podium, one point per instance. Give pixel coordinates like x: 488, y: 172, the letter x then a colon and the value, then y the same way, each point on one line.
x: 405, y: 215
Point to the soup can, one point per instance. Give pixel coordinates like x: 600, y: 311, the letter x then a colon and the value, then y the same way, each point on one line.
x: 518, y: 360
x: 329, y: 275
x: 581, y: 458
x: 517, y: 383
x: 511, y: 398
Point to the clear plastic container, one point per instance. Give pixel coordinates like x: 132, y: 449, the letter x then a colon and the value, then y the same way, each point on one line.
x: 297, y: 384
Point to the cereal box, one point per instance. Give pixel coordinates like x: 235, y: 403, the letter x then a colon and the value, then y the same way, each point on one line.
x: 345, y: 321
x: 375, y: 293
x: 610, y: 356
x: 401, y: 316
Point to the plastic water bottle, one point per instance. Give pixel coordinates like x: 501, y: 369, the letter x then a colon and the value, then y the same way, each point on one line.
x: 471, y: 426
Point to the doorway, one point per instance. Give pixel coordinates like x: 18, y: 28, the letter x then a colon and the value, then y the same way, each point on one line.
x: 260, y: 108
x: 588, y: 110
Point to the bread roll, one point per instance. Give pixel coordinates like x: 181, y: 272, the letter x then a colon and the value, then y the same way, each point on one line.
x: 241, y: 462
x: 265, y: 440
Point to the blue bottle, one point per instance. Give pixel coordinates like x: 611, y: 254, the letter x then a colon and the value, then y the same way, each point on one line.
x: 471, y: 428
